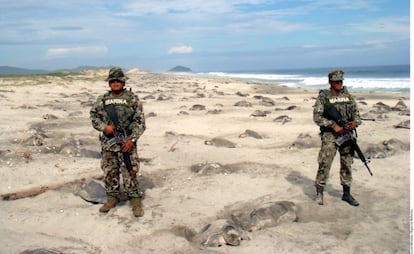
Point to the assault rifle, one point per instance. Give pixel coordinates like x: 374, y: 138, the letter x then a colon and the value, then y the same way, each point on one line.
x: 332, y: 113
x: 120, y: 136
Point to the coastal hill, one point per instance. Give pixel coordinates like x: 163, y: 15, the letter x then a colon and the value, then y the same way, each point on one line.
x: 180, y: 69
x: 10, y: 70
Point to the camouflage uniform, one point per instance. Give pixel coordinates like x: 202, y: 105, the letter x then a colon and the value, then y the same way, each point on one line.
x: 347, y: 107
x: 131, y: 118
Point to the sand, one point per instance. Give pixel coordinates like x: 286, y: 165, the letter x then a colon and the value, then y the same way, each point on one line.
x: 48, y: 148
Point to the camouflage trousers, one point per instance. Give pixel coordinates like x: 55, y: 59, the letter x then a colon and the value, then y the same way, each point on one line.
x: 327, y: 155
x: 113, y: 166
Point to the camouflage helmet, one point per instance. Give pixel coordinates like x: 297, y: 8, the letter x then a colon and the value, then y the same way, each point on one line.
x: 336, y: 75
x: 116, y: 73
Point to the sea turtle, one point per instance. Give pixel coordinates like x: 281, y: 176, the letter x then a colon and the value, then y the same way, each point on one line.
x: 304, y: 140
x: 220, y: 142
x: 198, y: 107
x: 41, y: 251
x: 259, y: 113
x: 37, y: 137
x: 243, y: 103
x: 403, y: 125
x: 219, y: 233
x: 207, y: 168
x: 400, y: 106
x: 266, y: 101
x: 250, y: 133
x: 375, y: 152
x: 282, y: 119
x: 93, y: 191
x: 267, y: 215
x: 381, y: 107
x: 386, y: 148
x: 242, y: 94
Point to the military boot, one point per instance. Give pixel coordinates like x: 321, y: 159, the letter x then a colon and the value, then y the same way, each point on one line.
x: 319, y: 194
x: 347, y: 197
x: 136, y: 206
x: 110, y: 203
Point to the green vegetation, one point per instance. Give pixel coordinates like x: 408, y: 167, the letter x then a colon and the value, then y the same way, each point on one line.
x: 57, y: 78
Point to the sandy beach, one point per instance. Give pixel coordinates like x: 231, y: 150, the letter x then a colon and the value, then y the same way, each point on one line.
x: 214, y: 147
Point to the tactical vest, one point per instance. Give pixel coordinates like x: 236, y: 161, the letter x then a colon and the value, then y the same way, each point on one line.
x: 342, y: 102
x: 124, y: 107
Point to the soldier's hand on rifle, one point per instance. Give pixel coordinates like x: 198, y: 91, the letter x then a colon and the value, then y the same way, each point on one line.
x: 351, y: 126
x: 109, y: 130
x: 127, y: 146
x: 133, y: 172
x: 338, y: 129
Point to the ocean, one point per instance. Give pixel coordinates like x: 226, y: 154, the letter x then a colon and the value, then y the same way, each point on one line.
x: 392, y: 79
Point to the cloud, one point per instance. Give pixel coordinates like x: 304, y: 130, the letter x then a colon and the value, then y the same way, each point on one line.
x: 180, y: 50
x: 66, y: 28
x: 76, y: 51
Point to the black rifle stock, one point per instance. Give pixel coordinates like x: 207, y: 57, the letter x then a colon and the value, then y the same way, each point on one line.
x: 331, y: 113
x: 120, y: 134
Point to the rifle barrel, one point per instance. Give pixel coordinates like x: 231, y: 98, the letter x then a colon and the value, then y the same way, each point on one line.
x: 361, y: 155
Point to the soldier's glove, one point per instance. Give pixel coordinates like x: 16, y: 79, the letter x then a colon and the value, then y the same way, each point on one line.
x: 109, y: 130
x: 352, y: 126
x: 127, y: 146
x: 338, y: 129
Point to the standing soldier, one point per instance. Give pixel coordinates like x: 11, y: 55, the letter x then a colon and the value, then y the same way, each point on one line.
x: 118, y: 116
x: 338, y: 97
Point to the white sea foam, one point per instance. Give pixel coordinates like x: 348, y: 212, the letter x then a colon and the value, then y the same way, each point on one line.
x: 396, y: 84
x: 252, y: 76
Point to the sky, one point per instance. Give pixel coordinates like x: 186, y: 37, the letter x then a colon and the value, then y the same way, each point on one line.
x: 204, y: 35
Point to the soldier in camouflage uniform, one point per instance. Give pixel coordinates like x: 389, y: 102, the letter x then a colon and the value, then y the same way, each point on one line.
x: 338, y: 97
x: 130, y: 116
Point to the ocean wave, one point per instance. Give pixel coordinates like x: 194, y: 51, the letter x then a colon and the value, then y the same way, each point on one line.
x: 253, y: 76
x: 372, y: 84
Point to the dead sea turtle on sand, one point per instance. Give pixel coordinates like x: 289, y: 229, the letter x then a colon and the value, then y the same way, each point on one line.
x: 41, y: 251
x: 243, y: 104
x: 234, y: 225
x: 207, y: 168
x: 386, y: 148
x: 198, y: 107
x: 266, y: 101
x: 282, y: 119
x: 267, y: 215
x: 250, y: 133
x: 305, y: 140
x: 403, y: 125
x: 220, y: 142
x: 36, y: 138
x: 93, y: 191
x: 400, y: 106
x: 259, y: 113
x: 219, y: 233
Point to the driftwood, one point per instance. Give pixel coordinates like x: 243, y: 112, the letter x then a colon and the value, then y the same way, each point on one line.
x: 172, y: 148
x: 142, y: 159
x: 31, y: 192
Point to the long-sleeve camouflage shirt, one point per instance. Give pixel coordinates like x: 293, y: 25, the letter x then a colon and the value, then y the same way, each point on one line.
x: 130, y: 114
x: 344, y: 103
